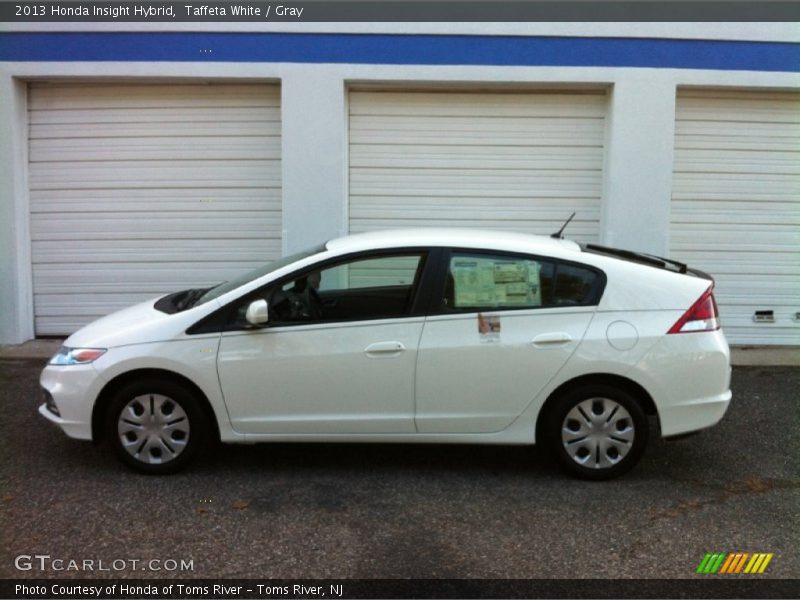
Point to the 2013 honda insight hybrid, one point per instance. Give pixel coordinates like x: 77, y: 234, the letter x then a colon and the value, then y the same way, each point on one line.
x: 429, y: 335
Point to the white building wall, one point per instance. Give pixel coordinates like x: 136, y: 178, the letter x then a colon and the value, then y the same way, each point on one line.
x: 314, y: 119
x: 638, y: 163
x: 16, y: 281
x: 638, y: 169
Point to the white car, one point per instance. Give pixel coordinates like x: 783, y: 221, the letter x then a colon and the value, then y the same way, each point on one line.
x: 429, y: 335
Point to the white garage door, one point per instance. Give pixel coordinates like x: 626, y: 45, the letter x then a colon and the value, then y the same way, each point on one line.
x: 736, y: 206
x: 139, y: 190
x: 510, y: 161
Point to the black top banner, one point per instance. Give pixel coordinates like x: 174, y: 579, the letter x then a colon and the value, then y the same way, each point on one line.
x: 405, y: 11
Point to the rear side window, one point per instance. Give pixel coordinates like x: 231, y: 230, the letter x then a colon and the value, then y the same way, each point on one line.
x: 484, y: 281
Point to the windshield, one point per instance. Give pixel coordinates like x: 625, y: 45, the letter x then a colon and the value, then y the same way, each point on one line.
x: 224, y: 288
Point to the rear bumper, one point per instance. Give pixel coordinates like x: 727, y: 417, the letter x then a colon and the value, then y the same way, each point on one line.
x: 688, y: 376
x: 693, y: 416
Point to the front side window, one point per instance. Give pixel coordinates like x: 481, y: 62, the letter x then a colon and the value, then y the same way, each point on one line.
x: 483, y: 281
x: 370, y: 273
x: 356, y: 289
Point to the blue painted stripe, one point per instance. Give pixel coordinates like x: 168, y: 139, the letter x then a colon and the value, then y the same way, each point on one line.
x: 401, y: 50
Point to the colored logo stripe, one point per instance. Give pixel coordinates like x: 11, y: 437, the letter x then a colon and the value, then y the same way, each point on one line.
x: 711, y: 562
x: 733, y: 563
x: 758, y: 563
x: 730, y: 560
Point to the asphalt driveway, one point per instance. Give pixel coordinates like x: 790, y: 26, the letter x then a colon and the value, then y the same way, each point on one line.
x: 389, y: 511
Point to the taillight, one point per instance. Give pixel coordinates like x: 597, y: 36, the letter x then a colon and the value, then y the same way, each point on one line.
x: 701, y: 316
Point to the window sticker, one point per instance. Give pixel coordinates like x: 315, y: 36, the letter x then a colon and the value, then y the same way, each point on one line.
x: 489, y: 282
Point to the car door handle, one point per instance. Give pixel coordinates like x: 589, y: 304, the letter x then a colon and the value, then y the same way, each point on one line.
x: 552, y: 339
x: 384, y: 349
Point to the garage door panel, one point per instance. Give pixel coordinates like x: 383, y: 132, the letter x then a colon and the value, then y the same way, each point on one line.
x: 163, y: 130
x: 472, y: 208
x: 75, y: 96
x: 485, y: 131
x: 746, y: 335
x: 422, y: 156
x: 578, y: 232
x: 764, y: 195
x: 769, y: 285
x: 741, y: 105
x: 547, y: 214
x: 155, y: 148
x: 54, y: 305
x: 519, y: 161
x: 56, y: 326
x: 731, y: 112
x: 735, y: 208
x: 704, y: 161
x: 113, y: 226
x: 747, y: 332
x: 728, y: 143
x: 186, y: 250
x: 509, y: 138
x: 733, y: 185
x: 135, y: 276
x: 455, y: 104
x: 718, y: 264
x: 137, y: 191
x: 741, y: 248
x: 369, y: 222
x: 778, y: 232
x: 689, y: 201
x: 772, y: 212
x: 486, y: 183
x: 722, y: 130
x: 148, y: 174
x: 149, y: 200
x: 159, y: 115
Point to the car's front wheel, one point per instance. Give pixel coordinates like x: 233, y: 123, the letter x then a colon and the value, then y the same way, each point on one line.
x: 155, y: 425
x: 597, y: 431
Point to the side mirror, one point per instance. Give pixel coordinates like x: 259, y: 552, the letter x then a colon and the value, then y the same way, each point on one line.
x: 257, y: 313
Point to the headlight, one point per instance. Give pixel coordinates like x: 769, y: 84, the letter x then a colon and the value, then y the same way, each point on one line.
x: 76, y: 356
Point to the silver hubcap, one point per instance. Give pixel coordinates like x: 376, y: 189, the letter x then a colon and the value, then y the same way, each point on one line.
x: 597, y: 433
x: 154, y: 429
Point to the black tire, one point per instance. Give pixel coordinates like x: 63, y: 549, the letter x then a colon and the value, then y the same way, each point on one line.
x: 162, y: 429
x: 586, y: 444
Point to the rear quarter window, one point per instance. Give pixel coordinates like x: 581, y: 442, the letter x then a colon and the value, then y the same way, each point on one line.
x: 574, y: 285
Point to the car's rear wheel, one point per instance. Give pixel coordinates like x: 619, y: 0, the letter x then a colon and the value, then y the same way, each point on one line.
x: 597, y: 431
x: 155, y: 425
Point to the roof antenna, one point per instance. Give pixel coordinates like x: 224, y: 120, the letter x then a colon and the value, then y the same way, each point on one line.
x: 559, y: 235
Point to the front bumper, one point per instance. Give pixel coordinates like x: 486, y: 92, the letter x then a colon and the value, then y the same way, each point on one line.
x: 73, y: 429
x: 74, y: 389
